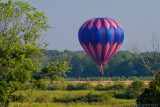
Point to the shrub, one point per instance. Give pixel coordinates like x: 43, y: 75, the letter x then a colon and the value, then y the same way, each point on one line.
x: 135, y: 89
x: 43, y: 99
x: 55, y: 86
x: 79, y: 86
x: 120, y: 94
x: 64, y: 86
x: 71, y: 86
x: 87, y: 86
x: 115, y: 78
x: 18, y: 98
x: 100, y: 87
x: 151, y: 95
x: 91, y: 97
x: 117, y: 86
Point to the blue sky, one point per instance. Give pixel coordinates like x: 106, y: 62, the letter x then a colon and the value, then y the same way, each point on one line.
x: 140, y: 19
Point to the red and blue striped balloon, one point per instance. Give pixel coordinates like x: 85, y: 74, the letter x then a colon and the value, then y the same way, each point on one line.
x: 101, y: 38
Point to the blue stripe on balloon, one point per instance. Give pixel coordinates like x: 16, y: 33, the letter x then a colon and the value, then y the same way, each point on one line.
x: 107, y: 35
x: 82, y: 36
x: 94, y: 39
x: 98, y: 37
x: 116, y: 35
x: 122, y: 35
x: 103, y: 40
x: 89, y: 35
x: 79, y: 36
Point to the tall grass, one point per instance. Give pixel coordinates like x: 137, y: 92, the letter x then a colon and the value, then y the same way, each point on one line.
x: 114, y: 103
x: 79, y: 94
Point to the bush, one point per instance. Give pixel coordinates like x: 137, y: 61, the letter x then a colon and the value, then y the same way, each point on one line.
x: 117, y: 86
x: 151, y: 95
x: 55, y: 86
x: 87, y: 86
x: 71, y: 86
x: 100, y: 87
x: 135, y: 89
x: 44, y: 99
x: 115, y: 78
x: 18, y: 98
x: 120, y: 94
x: 90, y: 97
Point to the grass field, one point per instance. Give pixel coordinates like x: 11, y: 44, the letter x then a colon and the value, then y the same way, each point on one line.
x: 45, y: 99
x: 109, y: 94
x: 111, y: 104
x: 94, y: 83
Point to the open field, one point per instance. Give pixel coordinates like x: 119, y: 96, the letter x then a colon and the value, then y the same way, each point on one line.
x: 94, y: 83
x: 91, y: 94
x: 46, y: 99
x: 111, y: 104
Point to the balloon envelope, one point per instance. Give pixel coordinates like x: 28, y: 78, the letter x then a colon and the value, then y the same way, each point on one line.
x: 101, y: 38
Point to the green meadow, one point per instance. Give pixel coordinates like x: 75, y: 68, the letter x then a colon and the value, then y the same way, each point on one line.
x: 67, y: 98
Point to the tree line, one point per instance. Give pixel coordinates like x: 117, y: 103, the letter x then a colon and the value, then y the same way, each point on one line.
x: 122, y: 64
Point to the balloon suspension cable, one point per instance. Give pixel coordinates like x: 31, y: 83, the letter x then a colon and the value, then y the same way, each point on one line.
x: 101, y: 70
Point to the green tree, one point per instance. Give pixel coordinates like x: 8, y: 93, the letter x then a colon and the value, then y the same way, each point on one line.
x: 77, y: 68
x: 55, y: 70
x: 20, y: 33
x: 151, y: 95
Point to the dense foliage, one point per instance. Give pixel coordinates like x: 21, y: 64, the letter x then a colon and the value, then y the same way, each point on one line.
x: 123, y: 64
x: 135, y: 89
x: 151, y: 95
x: 21, y: 28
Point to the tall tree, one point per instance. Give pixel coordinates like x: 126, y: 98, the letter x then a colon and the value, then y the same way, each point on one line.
x: 21, y: 28
x: 77, y: 68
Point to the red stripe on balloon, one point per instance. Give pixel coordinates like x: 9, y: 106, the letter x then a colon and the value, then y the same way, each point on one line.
x: 86, y: 49
x: 105, y: 62
x: 113, y: 49
x: 84, y: 25
x: 117, y: 49
x: 106, y: 49
x: 119, y: 35
x: 106, y: 23
x: 118, y: 24
x: 99, y: 48
x: 98, y: 24
x: 113, y: 23
x: 91, y: 24
x: 92, y: 50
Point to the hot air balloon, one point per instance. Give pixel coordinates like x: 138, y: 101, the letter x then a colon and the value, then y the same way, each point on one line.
x: 101, y: 38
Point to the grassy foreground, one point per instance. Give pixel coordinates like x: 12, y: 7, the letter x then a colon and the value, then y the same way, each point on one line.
x: 46, y: 99
x: 118, y: 104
